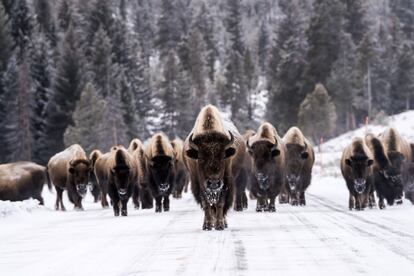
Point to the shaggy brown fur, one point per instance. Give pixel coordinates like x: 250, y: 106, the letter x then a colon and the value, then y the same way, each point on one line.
x: 300, y: 158
x: 160, y: 172
x: 357, y: 170
x: 134, y: 144
x: 181, y: 176
x: 94, y: 187
x: 70, y: 170
x: 117, y: 173
x: 213, y: 156
x: 268, y: 153
x: 22, y: 180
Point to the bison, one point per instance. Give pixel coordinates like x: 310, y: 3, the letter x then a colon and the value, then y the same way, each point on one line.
x: 117, y: 173
x: 269, y: 166
x: 392, y: 156
x: 141, y: 194
x: 356, y: 168
x: 213, y: 152
x: 94, y: 187
x: 181, y: 176
x: 160, y: 173
x: 69, y: 170
x: 300, y: 158
x: 22, y: 180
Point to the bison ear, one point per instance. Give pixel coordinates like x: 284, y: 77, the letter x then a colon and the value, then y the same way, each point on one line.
x: 348, y: 162
x: 304, y: 155
x: 370, y: 162
x: 275, y: 152
x: 229, y: 152
x: 192, y: 153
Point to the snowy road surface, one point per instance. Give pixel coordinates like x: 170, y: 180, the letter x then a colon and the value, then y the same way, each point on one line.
x: 323, y: 238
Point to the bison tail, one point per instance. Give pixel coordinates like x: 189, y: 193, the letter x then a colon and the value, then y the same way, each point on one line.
x: 49, y: 183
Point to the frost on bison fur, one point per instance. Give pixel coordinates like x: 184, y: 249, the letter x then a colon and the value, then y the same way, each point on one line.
x: 214, y: 151
x: 69, y: 170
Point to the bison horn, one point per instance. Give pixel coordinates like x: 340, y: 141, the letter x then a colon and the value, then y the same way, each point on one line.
x: 230, y: 143
x: 248, y: 145
x: 275, y: 146
x: 191, y: 142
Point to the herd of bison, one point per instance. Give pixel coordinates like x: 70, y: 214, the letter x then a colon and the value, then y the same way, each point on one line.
x: 221, y: 164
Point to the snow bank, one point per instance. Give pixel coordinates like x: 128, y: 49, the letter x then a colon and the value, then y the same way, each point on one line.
x: 8, y: 208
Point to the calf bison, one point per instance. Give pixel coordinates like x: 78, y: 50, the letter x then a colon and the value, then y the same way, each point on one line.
x: 181, y: 176
x: 94, y: 187
x: 356, y: 168
x: 117, y: 173
x: 22, y: 180
x: 300, y: 158
x: 392, y: 156
x: 269, y: 166
x: 213, y: 151
x: 160, y: 159
x: 69, y: 170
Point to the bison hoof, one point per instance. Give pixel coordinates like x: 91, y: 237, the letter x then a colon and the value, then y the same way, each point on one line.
x: 136, y: 207
x: 260, y: 209
x: 207, y: 226
x: 381, y: 206
x: 225, y: 223
x: 399, y: 202
x: 116, y: 213
x: 302, y: 203
x: 220, y: 226
x: 166, y: 209
x: 295, y: 203
x: 238, y: 208
x: 124, y: 213
x: 158, y: 209
x: 272, y: 209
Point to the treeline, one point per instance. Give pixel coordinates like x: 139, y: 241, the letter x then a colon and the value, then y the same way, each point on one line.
x: 100, y: 72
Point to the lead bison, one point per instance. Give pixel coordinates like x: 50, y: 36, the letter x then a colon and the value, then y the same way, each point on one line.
x: 22, y: 180
x: 117, y: 173
x: 392, y: 156
x: 356, y: 168
x: 69, y: 170
x: 300, y: 158
x: 269, y: 166
x: 160, y: 159
x: 181, y: 176
x: 213, y: 151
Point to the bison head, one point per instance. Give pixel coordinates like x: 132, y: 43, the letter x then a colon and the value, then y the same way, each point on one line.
x: 80, y: 170
x: 263, y: 153
x: 161, y: 169
x: 296, y: 158
x: 211, y: 152
x: 393, y: 171
x: 360, y: 167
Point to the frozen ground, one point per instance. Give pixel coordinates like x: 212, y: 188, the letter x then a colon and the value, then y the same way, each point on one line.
x: 323, y: 238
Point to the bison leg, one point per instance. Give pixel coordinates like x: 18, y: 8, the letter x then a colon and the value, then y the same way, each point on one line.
x: 302, y: 199
x: 294, y: 198
x: 40, y: 199
x: 381, y: 203
x: 146, y: 199
x: 260, y: 205
x: 104, y: 200
x: 59, y: 201
x: 124, y: 211
x: 272, y: 205
x: 208, y: 218
x: 351, y: 204
x: 166, y: 203
x: 371, y: 201
x: 115, y: 205
x: 158, y: 201
x: 220, y: 222
x: 135, y: 196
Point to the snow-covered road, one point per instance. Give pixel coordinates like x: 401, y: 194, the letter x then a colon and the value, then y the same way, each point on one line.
x: 323, y: 238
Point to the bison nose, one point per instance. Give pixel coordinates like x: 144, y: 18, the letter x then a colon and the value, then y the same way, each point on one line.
x: 213, y: 184
x: 122, y: 191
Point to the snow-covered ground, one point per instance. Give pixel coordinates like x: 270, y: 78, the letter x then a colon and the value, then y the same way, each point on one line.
x: 323, y: 238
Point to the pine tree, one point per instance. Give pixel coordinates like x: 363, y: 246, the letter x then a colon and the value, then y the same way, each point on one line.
x: 46, y: 20
x: 64, y: 16
x: 324, y: 41
x: 250, y: 79
x: 6, y: 42
x: 355, y: 19
x: 263, y: 46
x: 66, y: 91
x: 317, y: 114
x: 289, y: 57
x: 88, y: 120
x: 144, y: 30
x: 22, y: 26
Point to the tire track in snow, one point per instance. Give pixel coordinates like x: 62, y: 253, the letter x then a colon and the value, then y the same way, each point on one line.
x: 387, y: 239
